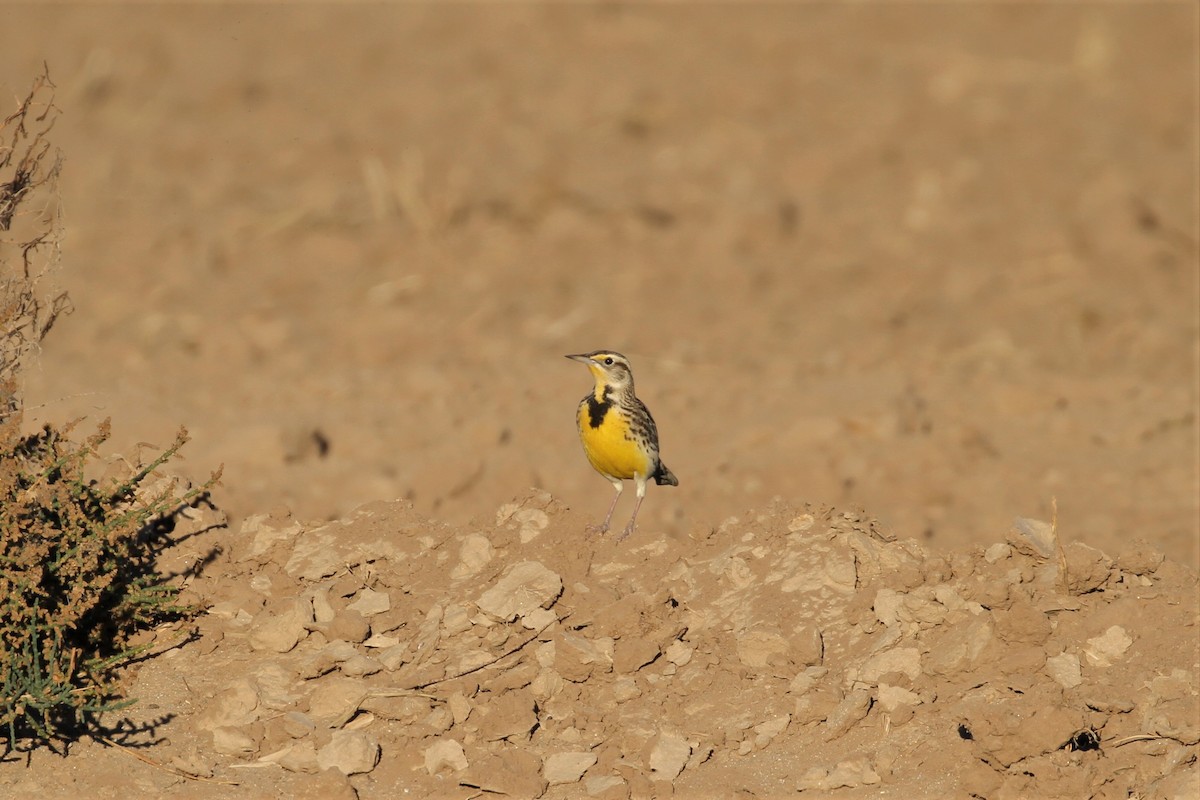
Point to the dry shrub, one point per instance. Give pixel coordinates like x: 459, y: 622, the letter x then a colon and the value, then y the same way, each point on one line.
x: 30, y: 235
x: 77, y: 577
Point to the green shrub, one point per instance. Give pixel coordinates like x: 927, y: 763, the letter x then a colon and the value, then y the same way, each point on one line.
x: 77, y: 581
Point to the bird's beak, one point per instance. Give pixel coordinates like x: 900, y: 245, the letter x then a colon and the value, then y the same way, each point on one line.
x: 581, y: 359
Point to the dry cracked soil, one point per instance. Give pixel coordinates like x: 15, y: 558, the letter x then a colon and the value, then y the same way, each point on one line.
x: 936, y: 262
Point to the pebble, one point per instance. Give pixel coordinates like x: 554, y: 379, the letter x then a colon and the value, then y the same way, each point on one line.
x: 233, y: 741
x: 237, y: 704
x: 669, y: 756
x: 475, y: 553
x: 370, y: 602
x: 359, y: 666
x: 282, y: 631
x: 350, y: 626
x: 846, y: 775
x: 445, y: 755
x: 905, y: 660
x: 1064, y: 669
x: 892, y: 697
x: 295, y: 757
x: 521, y: 588
x: 848, y: 713
x: 1103, y: 650
x: 335, y: 700
x: 1087, y: 568
x: 349, y: 752
x: 678, y: 653
x: 763, y: 648
x: 766, y: 731
x: 561, y: 768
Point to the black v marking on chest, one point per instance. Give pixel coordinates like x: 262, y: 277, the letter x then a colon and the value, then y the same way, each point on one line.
x: 597, y: 409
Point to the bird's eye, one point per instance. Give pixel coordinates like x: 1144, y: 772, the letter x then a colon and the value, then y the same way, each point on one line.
x: 608, y: 361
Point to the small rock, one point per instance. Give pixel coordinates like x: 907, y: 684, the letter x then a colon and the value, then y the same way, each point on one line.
x: 231, y: 741
x: 380, y: 642
x: 669, y: 755
x: 887, y: 605
x: 475, y: 553
x: 1023, y: 623
x: 538, y: 619
x: 267, y: 531
x: 460, y: 707
x: 295, y: 757
x: 455, y: 619
x: 1140, y: 559
x: 762, y: 649
x: 393, y: 657
x: 575, y: 657
x: 630, y: 655
x: 349, y: 752
x: 323, y: 610
x: 533, y: 521
x: 444, y: 755
x: 520, y: 589
x: 335, y: 700
x: 360, y: 666
x: 510, y: 715
x: 846, y: 775
x: 298, y: 724
x: 625, y: 688
x: 960, y: 646
x: 678, y: 653
x: 892, y: 697
x: 1087, y: 567
x: 849, y: 712
x: 808, y: 646
x: 234, y: 705
x: 766, y: 731
x: 439, y: 719
x: 801, y: 523
x: 350, y: 626
x: 1034, y: 537
x: 563, y: 768
x: 547, y: 684
x: 280, y: 632
x: 997, y: 552
x: 370, y: 602
x: 599, y: 784
x: 1064, y: 668
x: 1103, y: 650
x: 514, y: 773
x: 326, y: 659
x: 906, y: 660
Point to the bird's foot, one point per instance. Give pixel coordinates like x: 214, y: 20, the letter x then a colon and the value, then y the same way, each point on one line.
x: 625, y: 533
x: 595, y: 530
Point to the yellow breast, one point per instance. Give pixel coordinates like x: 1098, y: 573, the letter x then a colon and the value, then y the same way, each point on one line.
x: 610, y: 446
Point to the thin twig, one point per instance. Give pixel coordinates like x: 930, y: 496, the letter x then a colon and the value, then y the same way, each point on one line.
x: 173, y: 770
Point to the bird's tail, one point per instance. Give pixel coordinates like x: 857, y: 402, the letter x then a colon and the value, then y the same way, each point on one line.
x: 664, y: 477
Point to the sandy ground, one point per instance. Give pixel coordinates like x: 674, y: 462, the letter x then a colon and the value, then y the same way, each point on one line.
x: 937, y: 263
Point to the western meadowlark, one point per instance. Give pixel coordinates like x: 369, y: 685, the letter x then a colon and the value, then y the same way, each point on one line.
x: 619, y: 435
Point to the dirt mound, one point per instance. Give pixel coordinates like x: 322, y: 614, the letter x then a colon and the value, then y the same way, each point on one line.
x: 796, y: 649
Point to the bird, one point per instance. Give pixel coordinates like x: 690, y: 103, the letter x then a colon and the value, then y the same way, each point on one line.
x: 619, y: 436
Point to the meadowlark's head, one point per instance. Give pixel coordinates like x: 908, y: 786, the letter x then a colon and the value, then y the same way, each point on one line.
x: 609, y: 368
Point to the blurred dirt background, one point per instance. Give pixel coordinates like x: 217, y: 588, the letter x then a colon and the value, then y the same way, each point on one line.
x: 936, y: 262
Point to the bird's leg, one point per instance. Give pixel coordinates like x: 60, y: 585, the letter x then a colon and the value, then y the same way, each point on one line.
x: 603, y: 526
x: 641, y: 495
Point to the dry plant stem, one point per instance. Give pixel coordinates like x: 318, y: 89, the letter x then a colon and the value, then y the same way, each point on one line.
x: 29, y: 169
x: 173, y: 770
